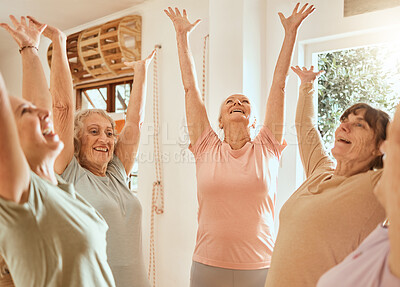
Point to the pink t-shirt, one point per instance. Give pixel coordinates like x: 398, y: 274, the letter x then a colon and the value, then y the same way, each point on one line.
x: 366, y: 266
x: 236, y: 190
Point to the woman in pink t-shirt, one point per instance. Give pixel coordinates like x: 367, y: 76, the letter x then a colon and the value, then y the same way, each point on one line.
x: 376, y: 262
x: 236, y: 177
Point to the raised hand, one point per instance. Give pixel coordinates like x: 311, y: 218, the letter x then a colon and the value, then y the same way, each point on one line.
x: 49, y: 32
x: 293, y: 22
x: 181, y: 22
x: 24, y: 34
x: 388, y: 188
x: 142, y: 63
x: 307, y: 76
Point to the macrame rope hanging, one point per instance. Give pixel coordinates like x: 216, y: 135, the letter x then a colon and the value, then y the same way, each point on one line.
x: 203, y: 92
x: 157, y: 199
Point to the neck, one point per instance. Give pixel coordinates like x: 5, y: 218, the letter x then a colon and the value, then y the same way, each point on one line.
x: 99, y: 170
x: 236, y: 135
x: 351, y: 167
x: 44, y: 168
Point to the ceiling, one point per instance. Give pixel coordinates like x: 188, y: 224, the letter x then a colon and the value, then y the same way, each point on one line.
x: 63, y: 14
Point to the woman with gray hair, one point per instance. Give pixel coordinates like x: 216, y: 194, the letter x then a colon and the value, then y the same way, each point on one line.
x: 98, y: 162
x: 236, y: 177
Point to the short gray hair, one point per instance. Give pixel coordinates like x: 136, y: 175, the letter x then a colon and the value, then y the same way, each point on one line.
x: 80, y: 117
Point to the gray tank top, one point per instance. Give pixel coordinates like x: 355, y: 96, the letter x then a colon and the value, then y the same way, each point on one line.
x: 122, y: 211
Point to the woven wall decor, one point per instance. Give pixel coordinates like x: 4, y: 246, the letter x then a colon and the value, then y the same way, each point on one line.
x: 99, y: 52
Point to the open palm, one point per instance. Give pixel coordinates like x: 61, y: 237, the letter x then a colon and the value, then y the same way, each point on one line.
x: 23, y: 33
x: 293, y: 22
x: 307, y: 76
x: 181, y: 22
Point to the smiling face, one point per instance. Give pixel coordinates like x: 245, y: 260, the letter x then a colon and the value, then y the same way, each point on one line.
x: 35, y: 130
x: 235, y: 108
x: 355, y: 140
x: 97, y: 142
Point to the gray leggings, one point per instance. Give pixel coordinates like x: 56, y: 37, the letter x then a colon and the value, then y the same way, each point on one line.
x: 208, y: 276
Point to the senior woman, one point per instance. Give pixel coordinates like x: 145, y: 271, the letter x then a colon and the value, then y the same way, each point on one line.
x: 236, y: 178
x: 376, y: 262
x: 329, y: 215
x: 96, y: 162
x: 50, y: 235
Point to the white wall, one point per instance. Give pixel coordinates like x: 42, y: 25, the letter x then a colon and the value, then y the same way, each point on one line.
x: 176, y: 229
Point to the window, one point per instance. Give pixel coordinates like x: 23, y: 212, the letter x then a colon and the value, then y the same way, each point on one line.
x: 368, y: 74
x: 361, y: 66
x: 111, y: 96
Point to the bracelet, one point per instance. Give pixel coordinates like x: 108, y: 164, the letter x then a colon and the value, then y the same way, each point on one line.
x: 24, y: 47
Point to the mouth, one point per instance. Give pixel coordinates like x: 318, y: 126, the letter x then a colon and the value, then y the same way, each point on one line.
x: 101, y: 149
x: 236, y: 111
x: 48, y: 131
x: 343, y: 140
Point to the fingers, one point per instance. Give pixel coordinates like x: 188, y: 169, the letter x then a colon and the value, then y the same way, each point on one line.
x: 196, y: 23
x: 14, y: 20
x: 309, y: 10
x: 281, y: 16
x: 129, y: 64
x: 184, y: 13
x: 6, y: 27
x: 303, y: 8
x: 23, y: 21
x: 151, y: 56
x: 42, y: 28
x: 177, y: 12
x: 3, y: 90
x: 295, y: 8
x: 34, y: 21
x: 9, y: 29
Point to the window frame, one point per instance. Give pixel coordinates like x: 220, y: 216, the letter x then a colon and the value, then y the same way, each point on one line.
x: 110, y: 85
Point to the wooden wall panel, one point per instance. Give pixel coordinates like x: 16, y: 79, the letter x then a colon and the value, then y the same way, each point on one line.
x: 355, y: 7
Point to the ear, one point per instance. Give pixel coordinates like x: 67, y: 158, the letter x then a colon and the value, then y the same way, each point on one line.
x: 380, y: 150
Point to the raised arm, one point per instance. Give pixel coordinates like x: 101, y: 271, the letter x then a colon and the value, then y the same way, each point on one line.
x: 62, y: 94
x: 128, y: 141
x: 388, y: 191
x: 196, y: 114
x: 312, y: 152
x: 14, y: 169
x: 34, y: 85
x: 275, y: 111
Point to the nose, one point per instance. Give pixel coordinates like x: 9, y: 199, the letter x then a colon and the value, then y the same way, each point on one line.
x: 345, y: 127
x: 237, y: 101
x: 43, y: 113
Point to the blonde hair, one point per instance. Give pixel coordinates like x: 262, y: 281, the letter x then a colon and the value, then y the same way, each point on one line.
x: 80, y: 117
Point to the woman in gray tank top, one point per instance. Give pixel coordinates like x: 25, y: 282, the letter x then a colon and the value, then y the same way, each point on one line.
x: 98, y: 162
x: 50, y: 235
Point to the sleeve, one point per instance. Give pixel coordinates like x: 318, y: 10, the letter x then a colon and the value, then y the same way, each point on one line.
x: 73, y: 172
x: 205, y: 142
x: 269, y: 142
x: 13, y: 214
x: 376, y: 176
x: 312, y: 153
x: 117, y: 169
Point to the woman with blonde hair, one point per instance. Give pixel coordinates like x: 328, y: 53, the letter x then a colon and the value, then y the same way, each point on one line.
x: 50, y: 236
x: 236, y: 177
